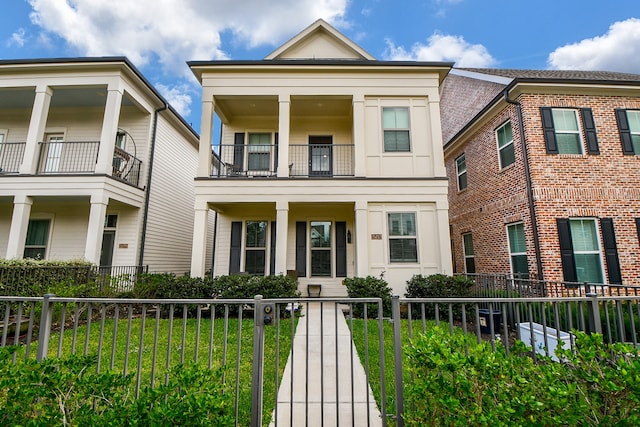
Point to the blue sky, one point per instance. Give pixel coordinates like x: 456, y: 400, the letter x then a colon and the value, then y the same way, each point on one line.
x: 159, y: 36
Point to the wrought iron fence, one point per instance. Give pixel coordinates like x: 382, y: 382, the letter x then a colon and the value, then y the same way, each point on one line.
x: 247, y: 160
x: 11, y: 155
x: 62, y: 157
x: 321, y: 160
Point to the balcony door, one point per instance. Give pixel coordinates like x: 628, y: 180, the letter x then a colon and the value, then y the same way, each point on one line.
x: 54, y: 143
x: 320, y: 155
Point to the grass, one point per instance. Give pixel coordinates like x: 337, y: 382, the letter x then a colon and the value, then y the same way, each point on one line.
x: 152, y: 350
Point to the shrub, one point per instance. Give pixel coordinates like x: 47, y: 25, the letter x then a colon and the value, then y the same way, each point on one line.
x: 30, y: 277
x: 369, y: 287
x: 438, y: 286
x: 458, y: 382
x: 248, y: 286
x: 69, y: 392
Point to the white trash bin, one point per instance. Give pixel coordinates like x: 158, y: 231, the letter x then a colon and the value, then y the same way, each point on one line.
x: 552, y: 338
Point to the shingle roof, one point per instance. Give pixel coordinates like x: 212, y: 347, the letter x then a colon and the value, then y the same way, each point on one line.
x: 557, y: 74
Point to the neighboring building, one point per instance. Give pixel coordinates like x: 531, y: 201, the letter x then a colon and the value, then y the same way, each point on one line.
x: 94, y: 164
x: 544, y: 173
x: 330, y: 164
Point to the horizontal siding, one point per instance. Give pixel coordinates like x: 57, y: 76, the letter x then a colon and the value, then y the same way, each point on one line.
x: 127, y: 234
x: 170, y: 219
x: 68, y: 233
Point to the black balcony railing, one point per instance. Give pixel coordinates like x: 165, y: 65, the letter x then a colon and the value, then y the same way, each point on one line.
x: 11, y: 154
x: 308, y: 160
x: 126, y: 166
x: 65, y: 157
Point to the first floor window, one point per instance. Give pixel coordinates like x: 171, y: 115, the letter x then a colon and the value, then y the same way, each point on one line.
x: 320, y: 248
x: 403, y: 245
x: 506, y: 153
x: 461, y: 172
x: 469, y: 256
x: 518, y: 250
x: 395, y: 125
x: 586, y: 250
x: 37, y: 237
x: 255, y: 247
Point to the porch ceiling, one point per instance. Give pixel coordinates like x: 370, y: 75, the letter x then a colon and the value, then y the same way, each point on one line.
x: 93, y: 96
x: 232, y: 107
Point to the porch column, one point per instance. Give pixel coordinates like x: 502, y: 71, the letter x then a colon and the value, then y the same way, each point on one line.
x: 362, y: 240
x: 358, y: 136
x: 35, y: 134
x: 109, y: 129
x: 282, y: 228
x: 204, y: 154
x: 95, y: 229
x: 19, y: 224
x: 284, y: 122
x: 199, y: 247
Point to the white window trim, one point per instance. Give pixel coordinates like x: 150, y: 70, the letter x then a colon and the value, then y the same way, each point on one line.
x: 578, y: 132
x: 404, y: 107
x: 596, y: 225
x: 5, y: 135
x: 414, y: 237
x: 464, y: 251
x: 271, y: 150
x: 47, y: 249
x: 508, y: 122
x: 459, y: 174
x: 267, y: 252
x: 512, y: 254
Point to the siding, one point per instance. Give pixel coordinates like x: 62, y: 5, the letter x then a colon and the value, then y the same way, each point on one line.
x: 170, y: 220
x: 68, y: 232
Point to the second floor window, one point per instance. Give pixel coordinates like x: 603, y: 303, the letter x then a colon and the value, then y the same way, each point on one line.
x: 563, y: 133
x: 259, y: 152
x: 506, y: 154
x: 461, y: 172
x: 629, y: 127
x: 567, y: 131
x: 395, y: 125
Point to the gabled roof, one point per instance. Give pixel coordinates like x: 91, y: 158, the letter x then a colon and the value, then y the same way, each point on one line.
x: 320, y: 41
x: 556, y: 75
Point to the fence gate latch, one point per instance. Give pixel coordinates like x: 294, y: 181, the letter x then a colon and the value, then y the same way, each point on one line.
x: 268, y: 313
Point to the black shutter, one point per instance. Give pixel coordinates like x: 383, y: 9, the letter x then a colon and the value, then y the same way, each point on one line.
x: 238, y: 152
x: 275, y: 152
x: 625, y: 131
x: 301, y: 248
x: 611, y: 251
x: 341, y: 249
x: 236, y: 247
x: 549, y: 130
x: 638, y: 227
x: 272, y: 250
x: 566, y: 250
x: 589, y: 126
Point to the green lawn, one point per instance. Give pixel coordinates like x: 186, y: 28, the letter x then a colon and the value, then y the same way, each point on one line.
x: 153, y: 356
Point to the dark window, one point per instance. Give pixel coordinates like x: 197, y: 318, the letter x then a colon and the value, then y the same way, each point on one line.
x: 37, y: 237
x: 321, y: 248
x: 518, y: 250
x: 255, y: 247
x: 506, y: 154
x: 469, y: 255
x: 403, y: 245
x: 461, y: 172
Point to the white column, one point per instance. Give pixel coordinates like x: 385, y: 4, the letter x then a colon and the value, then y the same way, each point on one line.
x: 362, y: 239
x: 199, y: 247
x: 282, y: 228
x: 204, y: 159
x: 284, y: 122
x: 95, y: 229
x: 109, y: 130
x: 37, y: 125
x: 19, y: 224
x: 359, y: 136
x: 442, y: 214
x: 436, y: 137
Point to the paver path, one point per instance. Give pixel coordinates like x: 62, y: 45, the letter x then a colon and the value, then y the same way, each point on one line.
x: 319, y: 392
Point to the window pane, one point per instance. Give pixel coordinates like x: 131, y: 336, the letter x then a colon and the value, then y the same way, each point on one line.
x: 583, y: 235
x: 516, y: 238
x: 35, y: 253
x: 635, y: 140
x: 320, y: 234
x: 468, y: 244
x: 588, y: 268
x: 569, y: 143
x: 470, y: 265
x: 565, y: 120
x: 519, y: 266
x: 402, y: 224
x: 259, y: 161
x: 395, y: 118
x: 461, y: 164
x: 256, y: 234
x: 255, y: 262
x: 633, y: 118
x: 37, y: 232
x: 396, y: 140
x: 507, y: 156
x: 505, y: 135
x: 321, y: 262
x: 403, y: 250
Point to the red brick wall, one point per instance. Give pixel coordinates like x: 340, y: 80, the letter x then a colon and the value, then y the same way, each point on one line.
x: 598, y: 186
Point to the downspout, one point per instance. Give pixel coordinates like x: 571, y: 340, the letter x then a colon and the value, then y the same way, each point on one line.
x: 527, y: 173
x: 147, y: 195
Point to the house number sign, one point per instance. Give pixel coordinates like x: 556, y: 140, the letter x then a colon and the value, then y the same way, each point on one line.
x: 376, y: 237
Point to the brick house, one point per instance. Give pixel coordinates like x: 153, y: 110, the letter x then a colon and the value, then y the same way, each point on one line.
x: 543, y: 173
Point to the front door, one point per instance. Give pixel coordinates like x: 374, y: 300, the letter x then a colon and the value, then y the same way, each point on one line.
x: 108, y: 242
x: 320, y: 156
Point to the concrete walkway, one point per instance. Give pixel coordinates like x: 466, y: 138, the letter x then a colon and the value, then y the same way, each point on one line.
x: 319, y: 392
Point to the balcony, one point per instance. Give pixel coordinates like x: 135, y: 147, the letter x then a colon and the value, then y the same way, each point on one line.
x: 11, y: 154
x: 308, y: 160
x: 79, y: 157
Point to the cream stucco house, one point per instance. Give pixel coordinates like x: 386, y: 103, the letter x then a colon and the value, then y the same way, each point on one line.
x: 329, y: 164
x: 94, y: 164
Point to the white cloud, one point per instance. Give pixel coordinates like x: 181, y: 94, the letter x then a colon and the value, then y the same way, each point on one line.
x: 178, y: 96
x: 18, y: 38
x: 617, y: 50
x: 443, y: 47
x: 176, y: 31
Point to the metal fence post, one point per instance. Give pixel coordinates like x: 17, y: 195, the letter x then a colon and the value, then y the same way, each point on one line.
x: 44, y: 331
x: 593, y: 307
x: 397, y: 358
x: 258, y: 362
